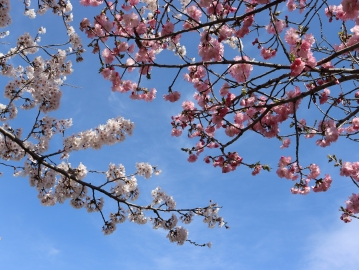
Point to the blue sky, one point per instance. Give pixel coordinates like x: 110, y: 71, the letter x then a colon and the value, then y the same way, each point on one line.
x: 269, y: 227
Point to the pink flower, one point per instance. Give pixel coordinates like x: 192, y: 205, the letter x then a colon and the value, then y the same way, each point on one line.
x: 310, y: 38
x: 314, y: 171
x: 291, y: 36
x: 122, y: 46
x: 346, y: 218
x: 232, y: 130
x: 152, y: 23
x: 355, y: 123
x: 267, y: 53
x: 150, y: 96
x: 302, y: 5
x: 176, y: 132
x: 297, y: 67
x: 210, y: 130
x: 323, y: 185
x: 227, y: 168
x: 167, y: 29
x: 194, y: 13
x: 286, y: 143
x: 192, y: 158
x: 131, y: 20
x: 85, y: 3
x: 302, y: 190
x: 141, y: 28
x: 304, y: 50
x: 215, y: 8
x: 84, y: 24
x: 291, y: 5
x: 93, y: 3
x: 131, y: 49
x: 350, y: 7
x: 210, y: 48
x: 353, y: 203
x: 108, y: 56
x: 284, y: 161
x: 329, y: 12
x: 224, y: 90
x: 282, y: 172
x: 241, y: 72
x: 242, y: 32
x: 134, y: 2
x: 279, y: 26
x: 346, y: 169
x: 130, y: 62
x: 257, y: 170
x: 188, y: 105
x: 172, y: 97
x: 324, y: 96
x: 225, y: 32
x: 217, y: 119
x: 106, y: 73
x: 126, y: 7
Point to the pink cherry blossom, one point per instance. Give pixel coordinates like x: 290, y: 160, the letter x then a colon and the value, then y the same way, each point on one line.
x: 314, y: 171
x: 108, y: 56
x: 297, y: 67
x: 241, y: 72
x: 267, y: 53
x: 173, y: 96
x: 167, y: 29
x: 323, y: 185
x: 192, y: 158
x: 286, y: 143
x: 188, y: 105
x: 324, y: 96
x: 278, y: 26
x: 256, y: 170
x: 291, y: 5
x: 176, y: 132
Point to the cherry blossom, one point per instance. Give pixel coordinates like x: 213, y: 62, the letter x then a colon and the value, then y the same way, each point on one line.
x: 37, y: 85
x: 301, y: 87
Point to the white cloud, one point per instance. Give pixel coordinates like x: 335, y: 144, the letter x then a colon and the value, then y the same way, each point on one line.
x: 334, y: 248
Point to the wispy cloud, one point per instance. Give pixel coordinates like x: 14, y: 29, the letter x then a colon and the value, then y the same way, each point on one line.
x: 334, y: 248
x: 53, y: 251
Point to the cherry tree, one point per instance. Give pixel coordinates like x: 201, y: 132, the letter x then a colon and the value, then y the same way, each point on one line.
x: 35, y: 74
x: 256, y: 66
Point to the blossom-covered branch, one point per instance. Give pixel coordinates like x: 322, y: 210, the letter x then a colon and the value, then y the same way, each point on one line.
x: 35, y: 84
x: 215, y: 46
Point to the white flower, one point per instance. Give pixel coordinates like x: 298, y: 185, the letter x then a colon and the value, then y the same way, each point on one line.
x: 31, y: 13
x: 42, y: 30
x: 182, y: 51
x: 68, y: 7
x: 144, y: 169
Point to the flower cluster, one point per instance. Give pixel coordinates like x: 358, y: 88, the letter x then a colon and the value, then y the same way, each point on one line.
x: 301, y: 51
x: 5, y: 18
x: 144, y: 169
x: 323, y: 184
x: 160, y: 197
x: 112, y: 132
x: 287, y: 169
x: 178, y: 235
x: 36, y: 85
